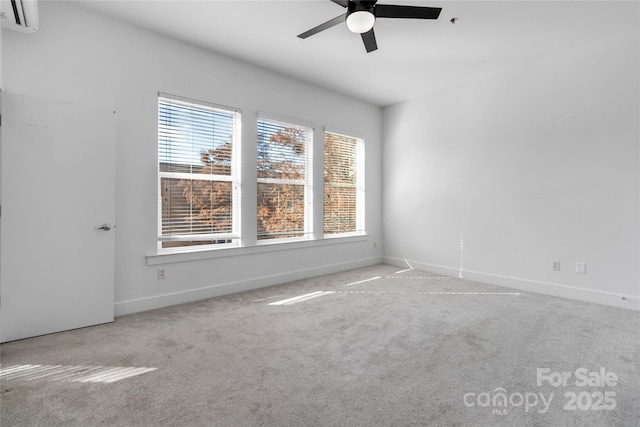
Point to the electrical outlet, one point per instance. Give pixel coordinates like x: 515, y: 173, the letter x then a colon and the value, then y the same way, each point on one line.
x: 162, y: 273
x: 581, y: 268
x: 555, y: 265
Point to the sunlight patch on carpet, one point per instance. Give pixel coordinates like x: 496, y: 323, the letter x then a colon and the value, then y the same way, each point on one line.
x: 301, y: 298
x: 77, y: 373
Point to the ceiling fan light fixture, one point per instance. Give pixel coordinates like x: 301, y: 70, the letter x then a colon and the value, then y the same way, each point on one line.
x: 360, y: 21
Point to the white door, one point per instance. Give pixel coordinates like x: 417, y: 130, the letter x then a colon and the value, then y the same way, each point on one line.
x: 57, y: 189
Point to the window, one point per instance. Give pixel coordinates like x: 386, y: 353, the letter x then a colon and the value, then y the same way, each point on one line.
x: 284, y: 180
x: 199, y: 181
x: 199, y: 174
x: 343, y: 184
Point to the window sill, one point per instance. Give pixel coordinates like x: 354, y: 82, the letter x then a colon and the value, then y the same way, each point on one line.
x: 211, y: 253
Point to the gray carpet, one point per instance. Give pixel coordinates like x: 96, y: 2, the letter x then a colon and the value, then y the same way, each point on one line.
x: 405, y: 349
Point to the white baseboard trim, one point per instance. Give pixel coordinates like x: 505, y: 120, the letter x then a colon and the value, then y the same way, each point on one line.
x: 553, y: 289
x: 191, y: 295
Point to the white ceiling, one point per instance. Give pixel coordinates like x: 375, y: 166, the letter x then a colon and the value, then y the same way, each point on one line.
x: 414, y: 57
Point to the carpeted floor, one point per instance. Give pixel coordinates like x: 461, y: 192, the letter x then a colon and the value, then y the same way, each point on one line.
x: 370, y: 347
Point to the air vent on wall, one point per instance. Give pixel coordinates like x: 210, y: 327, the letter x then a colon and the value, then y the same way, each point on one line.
x: 19, y: 15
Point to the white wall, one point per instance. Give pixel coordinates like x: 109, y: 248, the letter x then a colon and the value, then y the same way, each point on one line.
x: 495, y: 179
x: 1, y: 76
x: 77, y: 56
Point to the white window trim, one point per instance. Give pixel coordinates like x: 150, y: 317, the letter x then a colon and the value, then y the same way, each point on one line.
x: 235, y: 178
x: 360, y: 185
x: 308, y: 176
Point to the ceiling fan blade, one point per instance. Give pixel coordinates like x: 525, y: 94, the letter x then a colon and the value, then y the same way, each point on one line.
x: 369, y: 39
x: 343, y: 3
x: 330, y: 23
x: 412, y: 12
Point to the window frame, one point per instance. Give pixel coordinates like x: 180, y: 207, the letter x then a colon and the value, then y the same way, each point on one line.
x: 234, y: 178
x: 307, y: 182
x: 360, y: 228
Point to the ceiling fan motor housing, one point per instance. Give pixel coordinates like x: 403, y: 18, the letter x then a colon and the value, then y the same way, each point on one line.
x: 360, y: 16
x: 360, y: 6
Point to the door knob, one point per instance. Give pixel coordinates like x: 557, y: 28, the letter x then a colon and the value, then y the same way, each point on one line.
x: 105, y: 227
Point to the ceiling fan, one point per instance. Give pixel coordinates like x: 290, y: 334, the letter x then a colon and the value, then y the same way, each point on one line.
x: 362, y: 14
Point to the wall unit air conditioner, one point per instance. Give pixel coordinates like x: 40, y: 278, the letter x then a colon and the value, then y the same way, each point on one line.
x: 19, y: 15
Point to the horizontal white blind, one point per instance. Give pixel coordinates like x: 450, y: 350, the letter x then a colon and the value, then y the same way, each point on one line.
x: 283, y: 184
x: 343, y: 189
x: 197, y: 171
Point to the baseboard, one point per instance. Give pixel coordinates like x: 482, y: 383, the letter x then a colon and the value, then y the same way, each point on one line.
x: 553, y: 289
x: 166, y: 300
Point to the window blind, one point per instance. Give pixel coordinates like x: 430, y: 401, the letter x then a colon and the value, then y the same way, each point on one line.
x: 198, y: 163
x: 284, y: 180
x: 343, y: 184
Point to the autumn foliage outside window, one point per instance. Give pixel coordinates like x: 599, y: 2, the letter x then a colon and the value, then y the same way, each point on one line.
x: 284, y: 180
x: 343, y: 184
